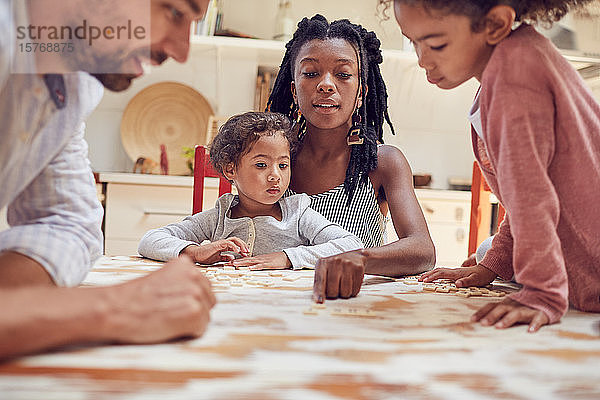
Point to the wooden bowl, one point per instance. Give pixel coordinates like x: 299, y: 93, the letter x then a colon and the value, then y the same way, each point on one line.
x: 421, y: 180
x: 168, y: 113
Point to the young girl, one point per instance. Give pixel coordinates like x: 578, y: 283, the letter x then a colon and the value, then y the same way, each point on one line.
x: 536, y: 136
x: 253, y: 151
x: 329, y: 82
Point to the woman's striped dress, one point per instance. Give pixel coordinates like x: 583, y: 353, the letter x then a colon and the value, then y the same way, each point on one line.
x: 362, y: 217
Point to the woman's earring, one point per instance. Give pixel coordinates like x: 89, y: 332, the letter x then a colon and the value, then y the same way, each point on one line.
x: 354, y: 134
x: 297, y: 116
x: 299, y: 121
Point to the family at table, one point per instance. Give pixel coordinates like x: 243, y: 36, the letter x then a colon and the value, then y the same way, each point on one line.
x: 315, y: 183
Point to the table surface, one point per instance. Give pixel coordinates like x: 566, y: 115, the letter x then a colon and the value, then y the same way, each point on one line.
x: 266, y: 341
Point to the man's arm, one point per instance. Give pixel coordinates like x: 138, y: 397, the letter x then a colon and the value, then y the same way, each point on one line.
x: 56, y: 220
x: 18, y: 270
x: 172, y: 302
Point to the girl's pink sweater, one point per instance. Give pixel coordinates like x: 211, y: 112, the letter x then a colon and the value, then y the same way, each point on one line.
x: 540, y: 155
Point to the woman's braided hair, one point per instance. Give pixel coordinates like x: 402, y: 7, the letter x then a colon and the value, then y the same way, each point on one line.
x: 373, y: 112
x: 542, y: 11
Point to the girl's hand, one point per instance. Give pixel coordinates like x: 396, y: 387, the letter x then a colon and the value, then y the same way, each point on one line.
x: 509, y: 312
x: 470, y: 261
x: 210, y: 253
x: 266, y: 261
x: 477, y: 275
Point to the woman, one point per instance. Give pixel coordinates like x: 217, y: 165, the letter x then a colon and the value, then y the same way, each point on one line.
x: 329, y: 82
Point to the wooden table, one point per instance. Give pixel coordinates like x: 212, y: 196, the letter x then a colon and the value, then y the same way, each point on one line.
x: 263, y: 343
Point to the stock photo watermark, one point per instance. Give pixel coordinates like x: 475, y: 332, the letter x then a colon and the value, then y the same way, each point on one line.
x: 96, y: 36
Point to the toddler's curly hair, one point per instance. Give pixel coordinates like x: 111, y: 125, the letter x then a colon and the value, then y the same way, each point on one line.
x: 240, y: 132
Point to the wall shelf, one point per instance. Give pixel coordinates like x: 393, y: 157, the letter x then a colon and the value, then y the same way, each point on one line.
x: 270, y: 48
x: 235, y: 42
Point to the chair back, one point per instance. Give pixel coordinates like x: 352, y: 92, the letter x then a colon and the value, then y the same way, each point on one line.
x: 203, y: 169
x: 481, y: 210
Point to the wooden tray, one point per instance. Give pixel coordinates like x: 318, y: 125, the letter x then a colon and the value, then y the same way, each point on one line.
x: 168, y: 113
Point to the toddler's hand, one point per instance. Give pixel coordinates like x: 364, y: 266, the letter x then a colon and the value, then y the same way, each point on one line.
x: 210, y: 253
x: 266, y: 261
x: 477, y: 275
x: 509, y: 312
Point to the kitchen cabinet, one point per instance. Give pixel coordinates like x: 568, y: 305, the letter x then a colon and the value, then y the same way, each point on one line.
x: 3, y: 223
x: 136, y: 203
x: 447, y: 213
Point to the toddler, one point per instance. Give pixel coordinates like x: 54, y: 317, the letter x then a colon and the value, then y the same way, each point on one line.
x: 253, y: 150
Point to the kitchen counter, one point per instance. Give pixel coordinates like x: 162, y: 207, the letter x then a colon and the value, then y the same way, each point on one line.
x: 175, y: 180
x: 136, y: 203
x: 266, y: 342
x: 145, y: 179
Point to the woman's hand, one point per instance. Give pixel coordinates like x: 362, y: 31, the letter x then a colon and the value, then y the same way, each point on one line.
x: 477, y: 275
x: 509, y: 312
x: 339, y: 276
x: 210, y: 253
x: 277, y: 260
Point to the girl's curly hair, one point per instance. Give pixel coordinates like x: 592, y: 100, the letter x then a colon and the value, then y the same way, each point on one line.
x: 535, y: 11
x: 240, y: 132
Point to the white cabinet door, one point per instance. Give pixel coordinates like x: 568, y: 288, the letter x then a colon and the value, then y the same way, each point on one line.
x: 132, y: 210
x: 448, y: 215
x: 451, y: 244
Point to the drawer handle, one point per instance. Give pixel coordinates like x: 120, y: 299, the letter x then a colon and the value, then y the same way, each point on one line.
x: 460, y: 234
x: 159, y: 212
x: 459, y: 213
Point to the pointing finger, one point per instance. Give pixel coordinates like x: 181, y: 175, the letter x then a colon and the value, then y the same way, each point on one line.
x: 319, y: 282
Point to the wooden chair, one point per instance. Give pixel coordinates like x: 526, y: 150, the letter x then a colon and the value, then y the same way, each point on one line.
x: 202, y: 169
x: 481, y: 210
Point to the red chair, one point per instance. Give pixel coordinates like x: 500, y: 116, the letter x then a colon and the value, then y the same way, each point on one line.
x: 202, y: 169
x: 481, y: 210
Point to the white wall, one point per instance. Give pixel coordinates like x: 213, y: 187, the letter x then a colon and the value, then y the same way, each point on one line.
x: 430, y: 123
x: 431, y: 126
x: 242, y: 16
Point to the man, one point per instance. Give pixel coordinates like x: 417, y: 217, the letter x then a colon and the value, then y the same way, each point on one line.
x: 47, y: 182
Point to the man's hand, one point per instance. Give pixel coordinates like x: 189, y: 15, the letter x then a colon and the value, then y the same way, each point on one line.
x: 339, y: 276
x: 210, y: 253
x: 462, y: 277
x: 277, y: 260
x: 172, y: 302
x: 509, y: 312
